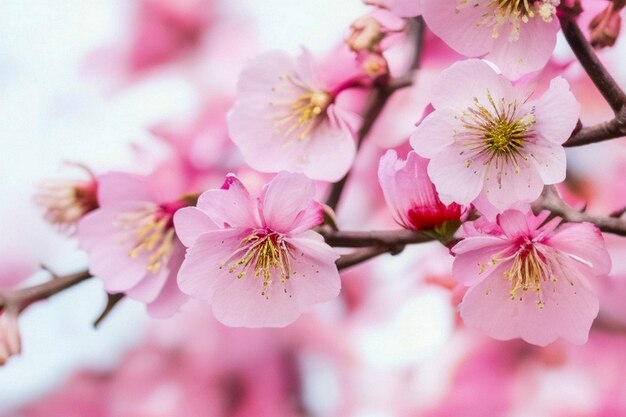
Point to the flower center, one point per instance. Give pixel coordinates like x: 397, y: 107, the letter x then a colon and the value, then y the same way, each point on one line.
x: 65, y: 202
x: 267, y: 254
x: 153, y: 234
x: 514, y: 12
x: 527, y: 273
x: 497, y: 131
x: 300, y: 115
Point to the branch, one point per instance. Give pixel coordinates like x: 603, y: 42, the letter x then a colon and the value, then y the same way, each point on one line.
x: 386, y: 238
x: 605, y: 83
x: 20, y: 299
x: 363, y: 255
x: 551, y: 201
x: 378, y: 99
x: 612, y: 129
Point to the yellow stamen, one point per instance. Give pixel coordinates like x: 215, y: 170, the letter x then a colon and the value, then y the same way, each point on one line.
x: 267, y: 255
x: 513, y: 12
x: 495, y: 132
x: 527, y: 273
x: 155, y: 237
x: 302, y: 114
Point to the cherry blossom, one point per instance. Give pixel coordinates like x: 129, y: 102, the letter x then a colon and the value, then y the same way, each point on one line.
x: 256, y: 260
x: 529, y: 279
x: 487, y: 136
x: 517, y: 35
x: 285, y: 118
x: 131, y: 242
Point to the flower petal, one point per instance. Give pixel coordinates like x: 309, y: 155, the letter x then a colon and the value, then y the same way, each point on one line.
x: 287, y: 203
x: 190, y: 223
x: 582, y: 242
x: 230, y: 206
x: 115, y: 187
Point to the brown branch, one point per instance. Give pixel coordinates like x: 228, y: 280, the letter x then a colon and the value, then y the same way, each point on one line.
x: 378, y: 99
x: 603, y: 80
x: 20, y: 299
x: 112, y: 300
x: 612, y: 129
x: 362, y: 255
x: 551, y: 201
x: 385, y: 238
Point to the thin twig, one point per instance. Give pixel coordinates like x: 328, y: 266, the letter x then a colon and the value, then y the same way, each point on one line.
x: 362, y: 255
x: 551, y: 201
x: 385, y: 238
x: 112, y: 300
x: 20, y: 299
x: 598, y: 73
x: 612, y: 129
x: 378, y: 99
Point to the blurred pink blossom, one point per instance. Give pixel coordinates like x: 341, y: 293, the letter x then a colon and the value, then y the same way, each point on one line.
x: 402, y: 8
x: 131, y: 242
x: 167, y: 28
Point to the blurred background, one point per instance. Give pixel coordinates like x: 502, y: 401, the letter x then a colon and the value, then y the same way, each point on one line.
x: 125, y: 84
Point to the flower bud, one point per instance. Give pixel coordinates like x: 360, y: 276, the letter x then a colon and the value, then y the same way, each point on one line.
x: 412, y: 196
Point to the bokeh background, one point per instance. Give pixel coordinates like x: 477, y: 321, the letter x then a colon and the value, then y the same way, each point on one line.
x: 72, y: 88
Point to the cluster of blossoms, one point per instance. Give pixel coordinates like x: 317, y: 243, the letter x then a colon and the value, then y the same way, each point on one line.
x: 261, y: 254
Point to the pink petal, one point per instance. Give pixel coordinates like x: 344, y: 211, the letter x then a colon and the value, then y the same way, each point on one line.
x: 108, y: 254
x: 582, y: 242
x: 150, y: 286
x: 464, y: 81
x: 435, y: 133
x: 458, y: 28
x: 205, y: 266
x: 514, y: 224
x: 286, y: 203
x: 240, y: 303
x: 246, y: 302
x: 507, y: 186
x: 231, y: 207
x: 556, y: 126
x: 171, y: 298
x: 191, y: 222
x: 472, y: 262
x: 529, y: 53
x: 317, y: 279
x: 454, y: 180
x: 326, y: 154
x: 549, y: 160
x: 568, y: 311
x: 115, y: 187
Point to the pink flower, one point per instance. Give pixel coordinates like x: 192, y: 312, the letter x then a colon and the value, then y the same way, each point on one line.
x: 131, y: 241
x: 165, y: 29
x: 402, y: 8
x: 255, y: 260
x: 485, y: 135
x: 411, y: 195
x: 518, y: 36
x: 284, y: 118
x: 531, y: 281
